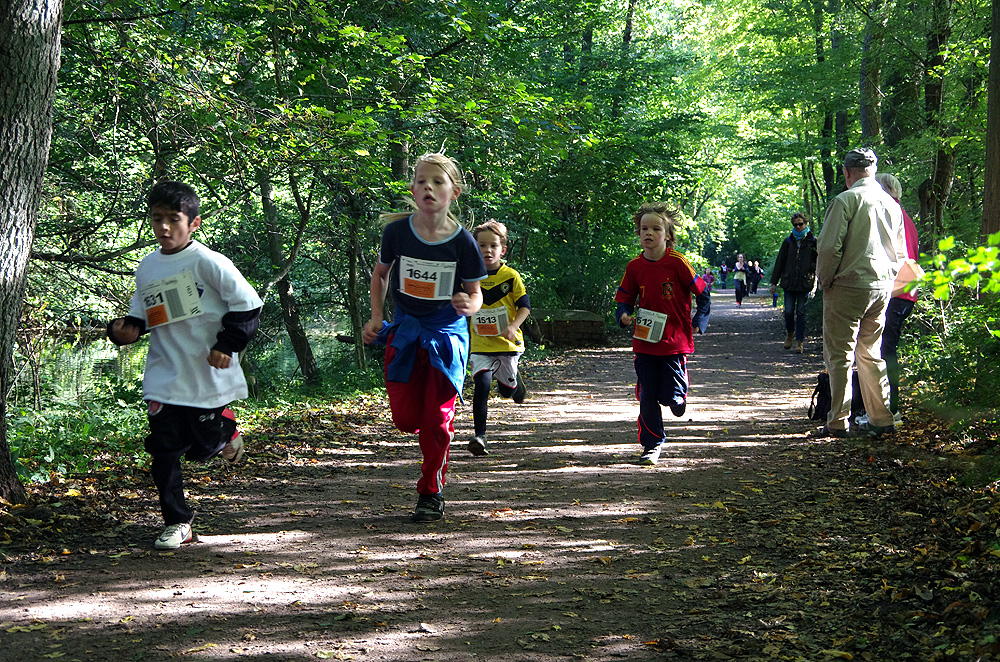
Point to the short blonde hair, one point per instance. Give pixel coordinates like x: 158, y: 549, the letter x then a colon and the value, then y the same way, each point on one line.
x: 890, y: 184
x: 496, y: 227
x: 666, y: 212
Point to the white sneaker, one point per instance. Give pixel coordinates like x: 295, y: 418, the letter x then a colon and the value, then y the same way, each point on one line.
x: 650, y: 456
x: 233, y: 451
x: 174, y: 536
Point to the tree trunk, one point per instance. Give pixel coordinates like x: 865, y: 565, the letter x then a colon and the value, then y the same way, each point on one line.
x: 355, y: 293
x: 991, y: 192
x: 870, y: 83
x: 399, y: 159
x: 826, y: 144
x: 626, y: 66
x: 939, y: 183
x: 286, y: 297
x: 840, y: 115
x: 29, y: 62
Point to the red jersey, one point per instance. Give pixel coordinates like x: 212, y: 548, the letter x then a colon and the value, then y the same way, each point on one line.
x: 664, y: 286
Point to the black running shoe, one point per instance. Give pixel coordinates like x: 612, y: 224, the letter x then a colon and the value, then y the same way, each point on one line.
x: 477, y: 446
x: 520, y: 391
x: 430, y: 508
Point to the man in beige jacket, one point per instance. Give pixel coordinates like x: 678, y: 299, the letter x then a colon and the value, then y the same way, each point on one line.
x: 858, y: 253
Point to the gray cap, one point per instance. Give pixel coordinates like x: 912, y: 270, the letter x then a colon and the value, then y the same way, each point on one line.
x: 861, y: 157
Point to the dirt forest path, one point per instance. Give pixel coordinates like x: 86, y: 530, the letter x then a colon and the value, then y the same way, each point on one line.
x: 555, y: 546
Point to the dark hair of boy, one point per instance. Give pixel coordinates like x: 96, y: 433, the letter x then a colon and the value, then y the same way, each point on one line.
x: 496, y: 227
x: 175, y: 196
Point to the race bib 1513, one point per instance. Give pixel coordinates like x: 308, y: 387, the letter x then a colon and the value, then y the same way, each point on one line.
x: 490, y: 321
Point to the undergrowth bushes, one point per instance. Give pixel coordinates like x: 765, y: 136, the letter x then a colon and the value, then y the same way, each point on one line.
x: 951, y: 349
x: 81, y: 415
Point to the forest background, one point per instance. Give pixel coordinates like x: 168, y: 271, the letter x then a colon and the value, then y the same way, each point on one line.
x: 298, y: 123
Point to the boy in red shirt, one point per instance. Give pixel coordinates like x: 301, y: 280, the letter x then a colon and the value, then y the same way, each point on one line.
x: 660, y: 282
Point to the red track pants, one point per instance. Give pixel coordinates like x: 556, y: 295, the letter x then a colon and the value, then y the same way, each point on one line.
x: 425, y: 405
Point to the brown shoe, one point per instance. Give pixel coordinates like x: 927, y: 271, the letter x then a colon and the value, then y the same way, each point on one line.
x: 799, y: 348
x: 788, y: 340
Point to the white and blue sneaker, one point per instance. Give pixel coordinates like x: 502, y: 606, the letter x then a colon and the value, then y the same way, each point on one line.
x: 650, y: 456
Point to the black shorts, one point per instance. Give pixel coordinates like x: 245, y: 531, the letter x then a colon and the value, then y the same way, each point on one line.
x: 197, y: 434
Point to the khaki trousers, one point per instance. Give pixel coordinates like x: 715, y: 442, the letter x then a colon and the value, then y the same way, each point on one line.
x: 853, y: 321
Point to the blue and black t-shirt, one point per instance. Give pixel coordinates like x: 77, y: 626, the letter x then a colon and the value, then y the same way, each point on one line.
x: 426, y: 275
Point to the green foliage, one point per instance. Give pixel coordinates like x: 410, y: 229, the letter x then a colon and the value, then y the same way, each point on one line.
x: 963, y: 354
x: 274, y: 370
x: 68, y: 439
x: 978, y: 270
x: 955, y: 360
x: 954, y: 353
x: 563, y: 120
x: 102, y: 426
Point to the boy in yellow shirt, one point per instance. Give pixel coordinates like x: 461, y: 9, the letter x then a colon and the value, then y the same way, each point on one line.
x: 496, y: 340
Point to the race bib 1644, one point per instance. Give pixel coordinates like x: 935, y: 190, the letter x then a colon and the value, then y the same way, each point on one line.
x: 427, y: 279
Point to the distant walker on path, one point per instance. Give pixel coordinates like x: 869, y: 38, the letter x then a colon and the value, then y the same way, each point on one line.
x: 741, y: 278
x: 795, y: 271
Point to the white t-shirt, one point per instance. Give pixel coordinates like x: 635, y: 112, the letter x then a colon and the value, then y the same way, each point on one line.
x: 177, y: 369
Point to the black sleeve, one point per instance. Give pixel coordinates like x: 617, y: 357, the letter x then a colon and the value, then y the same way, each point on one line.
x: 129, y: 320
x: 779, y: 264
x: 622, y: 309
x: 238, y: 328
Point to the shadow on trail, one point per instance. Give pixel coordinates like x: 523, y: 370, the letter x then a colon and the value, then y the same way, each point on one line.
x: 555, y: 544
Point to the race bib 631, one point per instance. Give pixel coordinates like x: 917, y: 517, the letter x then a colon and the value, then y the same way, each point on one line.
x: 171, y: 299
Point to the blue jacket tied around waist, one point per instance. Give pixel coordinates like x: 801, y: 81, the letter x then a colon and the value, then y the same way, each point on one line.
x: 445, y: 336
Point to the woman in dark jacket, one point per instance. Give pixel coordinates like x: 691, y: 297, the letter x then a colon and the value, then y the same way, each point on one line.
x: 795, y: 271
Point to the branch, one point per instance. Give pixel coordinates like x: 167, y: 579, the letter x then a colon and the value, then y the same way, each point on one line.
x: 124, y: 19
x: 92, y: 261
x: 300, y: 230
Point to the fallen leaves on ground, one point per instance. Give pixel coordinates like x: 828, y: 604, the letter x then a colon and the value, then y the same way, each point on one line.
x: 875, y: 552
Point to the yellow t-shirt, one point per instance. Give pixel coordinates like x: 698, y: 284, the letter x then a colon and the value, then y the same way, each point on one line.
x: 501, y: 291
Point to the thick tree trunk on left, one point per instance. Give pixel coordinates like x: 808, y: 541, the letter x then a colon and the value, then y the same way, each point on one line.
x: 29, y: 62
x: 991, y: 190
